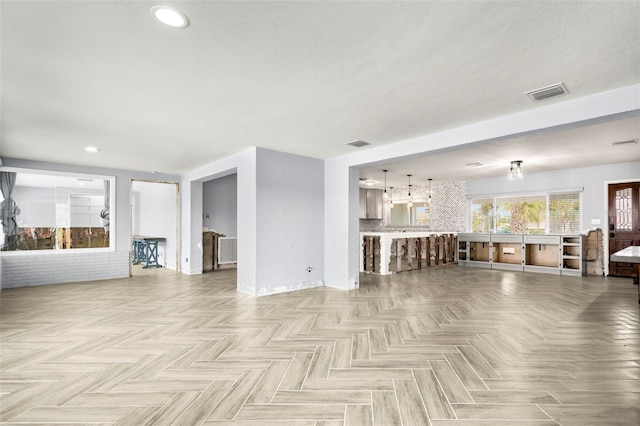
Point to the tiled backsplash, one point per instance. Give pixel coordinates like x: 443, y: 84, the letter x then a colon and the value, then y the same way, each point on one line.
x: 448, y: 209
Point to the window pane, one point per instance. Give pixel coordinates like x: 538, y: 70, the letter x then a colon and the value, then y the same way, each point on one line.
x: 482, y: 215
x: 399, y: 214
x: 403, y: 215
x: 623, y: 210
x: 521, y: 215
x: 54, y: 211
x: 564, y: 213
x: 421, y: 212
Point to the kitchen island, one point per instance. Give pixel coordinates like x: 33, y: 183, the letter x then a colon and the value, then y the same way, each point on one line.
x: 387, y: 252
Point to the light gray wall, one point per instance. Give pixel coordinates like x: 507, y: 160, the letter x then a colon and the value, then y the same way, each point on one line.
x: 290, y: 232
x: 26, y: 269
x: 244, y: 165
x: 592, y: 179
x: 280, y: 216
x: 220, y: 202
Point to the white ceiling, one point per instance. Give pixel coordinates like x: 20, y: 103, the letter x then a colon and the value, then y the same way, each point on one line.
x: 301, y: 77
x: 577, y: 147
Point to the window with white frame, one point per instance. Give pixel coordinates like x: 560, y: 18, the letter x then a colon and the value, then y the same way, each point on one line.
x: 553, y: 212
x: 48, y: 210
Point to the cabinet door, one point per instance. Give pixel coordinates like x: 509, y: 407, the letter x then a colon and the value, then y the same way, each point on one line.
x: 374, y: 204
x: 363, y: 204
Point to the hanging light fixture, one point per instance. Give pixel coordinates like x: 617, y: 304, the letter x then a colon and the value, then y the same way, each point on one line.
x: 410, y: 203
x: 384, y: 194
x: 515, y: 171
x: 391, y: 197
x: 429, y: 199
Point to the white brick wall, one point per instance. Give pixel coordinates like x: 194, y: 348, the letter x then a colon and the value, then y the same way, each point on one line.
x: 56, y: 268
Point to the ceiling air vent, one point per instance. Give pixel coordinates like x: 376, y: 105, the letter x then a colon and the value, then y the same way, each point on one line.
x: 547, y: 92
x: 358, y: 143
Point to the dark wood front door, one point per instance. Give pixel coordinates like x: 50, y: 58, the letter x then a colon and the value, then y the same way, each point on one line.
x: 624, y: 224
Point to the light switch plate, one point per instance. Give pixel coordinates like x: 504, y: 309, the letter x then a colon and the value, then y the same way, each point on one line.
x: 596, y: 221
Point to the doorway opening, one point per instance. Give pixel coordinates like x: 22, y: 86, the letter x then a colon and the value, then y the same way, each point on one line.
x: 154, y: 226
x: 219, y: 223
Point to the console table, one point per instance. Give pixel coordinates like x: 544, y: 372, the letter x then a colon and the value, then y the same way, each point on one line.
x: 145, y: 249
x: 630, y: 254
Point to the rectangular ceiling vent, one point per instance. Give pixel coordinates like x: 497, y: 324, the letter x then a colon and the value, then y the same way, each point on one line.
x: 358, y: 143
x: 558, y: 89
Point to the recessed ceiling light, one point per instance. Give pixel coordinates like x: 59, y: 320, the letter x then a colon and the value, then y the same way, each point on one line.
x: 91, y: 149
x: 169, y: 16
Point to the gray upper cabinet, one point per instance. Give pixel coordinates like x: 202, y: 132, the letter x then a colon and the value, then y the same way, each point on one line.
x: 371, y: 202
x: 362, y: 206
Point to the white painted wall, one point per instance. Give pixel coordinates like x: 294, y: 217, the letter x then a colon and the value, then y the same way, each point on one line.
x: 63, y: 207
x: 68, y: 266
x: 37, y: 207
x: 341, y: 225
x: 220, y: 203
x: 290, y: 222
x: 155, y: 216
x: 592, y: 179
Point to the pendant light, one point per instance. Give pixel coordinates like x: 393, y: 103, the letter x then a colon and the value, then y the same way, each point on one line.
x: 429, y: 199
x: 385, y: 195
x: 515, y: 171
x: 410, y: 203
x: 391, y: 197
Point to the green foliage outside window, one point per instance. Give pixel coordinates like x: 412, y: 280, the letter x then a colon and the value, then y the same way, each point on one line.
x: 537, y: 214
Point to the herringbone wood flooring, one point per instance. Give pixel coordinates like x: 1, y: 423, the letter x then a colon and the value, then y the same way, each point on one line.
x: 443, y: 346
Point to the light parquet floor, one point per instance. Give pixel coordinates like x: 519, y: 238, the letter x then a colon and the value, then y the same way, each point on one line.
x: 444, y: 346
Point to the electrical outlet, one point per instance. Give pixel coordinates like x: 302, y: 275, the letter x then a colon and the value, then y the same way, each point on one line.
x: 309, y: 268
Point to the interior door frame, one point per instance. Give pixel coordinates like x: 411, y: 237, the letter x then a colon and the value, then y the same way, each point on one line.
x: 178, y: 242
x: 605, y: 227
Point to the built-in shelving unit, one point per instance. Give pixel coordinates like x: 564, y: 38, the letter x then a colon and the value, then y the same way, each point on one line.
x: 542, y: 254
x: 506, y: 252
x: 550, y: 254
x: 474, y: 250
x: 572, y: 255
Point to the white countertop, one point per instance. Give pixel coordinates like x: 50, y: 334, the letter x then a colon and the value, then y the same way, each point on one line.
x: 400, y: 234
x: 630, y: 254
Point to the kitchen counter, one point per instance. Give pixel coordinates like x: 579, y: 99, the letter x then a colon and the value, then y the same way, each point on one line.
x: 382, y: 257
